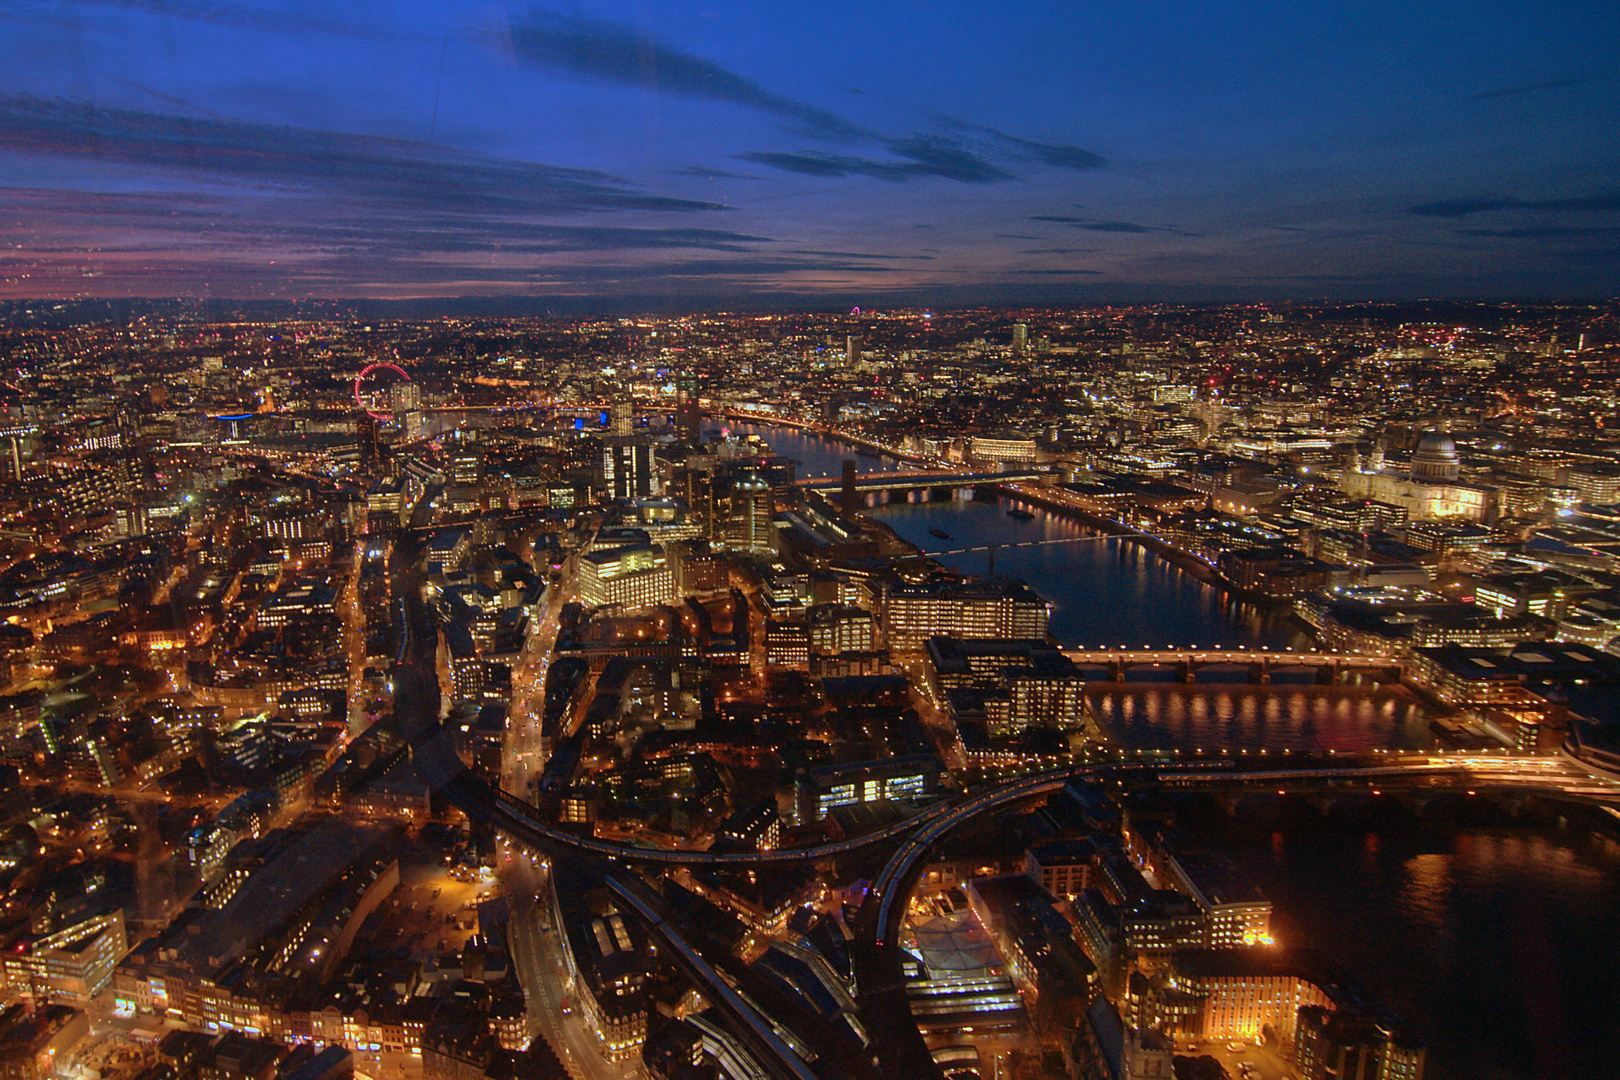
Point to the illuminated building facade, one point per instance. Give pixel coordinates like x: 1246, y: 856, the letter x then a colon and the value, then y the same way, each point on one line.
x: 911, y: 614
x: 1348, y: 1045
x: 74, y: 963
x: 1429, y: 488
x: 910, y: 777
x: 630, y: 469
x: 635, y: 575
x: 1235, y: 911
x: 841, y: 628
x: 1011, y: 448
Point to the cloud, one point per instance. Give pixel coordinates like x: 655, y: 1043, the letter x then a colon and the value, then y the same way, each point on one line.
x: 529, y: 238
x: 856, y: 255
x: 1456, y: 208
x: 1062, y: 157
x: 1116, y: 226
x: 1093, y: 225
x: 157, y: 242
x: 1526, y: 88
x: 596, y: 272
x: 1537, y: 232
x: 706, y: 173
x: 1057, y: 273
x: 817, y: 164
x: 302, y: 159
x: 1056, y: 251
x: 939, y: 156
x: 610, y: 52
x: 1053, y: 154
x: 342, y: 229
x: 922, y: 155
x: 300, y: 23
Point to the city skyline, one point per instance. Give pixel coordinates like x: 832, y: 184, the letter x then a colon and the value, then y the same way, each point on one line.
x: 1076, y: 693
x: 713, y: 154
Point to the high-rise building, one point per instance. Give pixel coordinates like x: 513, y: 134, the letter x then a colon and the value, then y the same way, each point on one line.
x: 404, y: 397
x: 750, y: 521
x: 688, y: 415
x: 850, y: 503
x: 365, y: 432
x: 621, y: 416
x: 630, y: 469
x: 852, y: 351
x: 1020, y: 338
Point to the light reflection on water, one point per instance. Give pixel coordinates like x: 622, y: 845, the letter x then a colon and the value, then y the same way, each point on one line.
x: 818, y: 457
x: 1494, y: 943
x: 1315, y: 718
x: 1497, y: 945
x: 1104, y: 591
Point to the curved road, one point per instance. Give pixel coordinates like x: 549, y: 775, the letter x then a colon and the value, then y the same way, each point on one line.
x: 883, y: 999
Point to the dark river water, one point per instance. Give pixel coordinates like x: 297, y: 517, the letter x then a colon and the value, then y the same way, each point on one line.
x: 1104, y: 590
x: 1497, y: 940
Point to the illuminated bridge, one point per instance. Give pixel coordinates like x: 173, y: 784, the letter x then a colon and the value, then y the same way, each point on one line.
x: 1024, y: 544
x: 884, y: 1002
x: 1186, y: 662
x: 901, y: 1050
x: 913, y: 481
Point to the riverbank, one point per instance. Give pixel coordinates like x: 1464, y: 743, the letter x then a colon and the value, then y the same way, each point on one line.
x: 1183, y: 560
x: 830, y: 434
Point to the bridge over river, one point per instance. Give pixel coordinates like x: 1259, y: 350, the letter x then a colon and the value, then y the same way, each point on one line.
x: 922, y: 479
x: 898, y: 1047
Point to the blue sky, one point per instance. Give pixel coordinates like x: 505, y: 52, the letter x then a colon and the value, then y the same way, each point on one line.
x: 717, y: 153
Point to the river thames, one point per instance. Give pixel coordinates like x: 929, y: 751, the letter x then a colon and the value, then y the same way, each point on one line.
x: 1104, y: 590
x: 1493, y: 937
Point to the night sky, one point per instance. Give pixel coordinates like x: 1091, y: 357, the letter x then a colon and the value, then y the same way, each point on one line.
x: 722, y: 152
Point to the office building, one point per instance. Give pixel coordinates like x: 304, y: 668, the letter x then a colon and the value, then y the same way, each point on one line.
x: 977, y: 608
x: 630, y: 469
x: 1235, y: 910
x: 634, y: 575
x: 1346, y: 1044
x: 72, y: 964
x: 820, y: 790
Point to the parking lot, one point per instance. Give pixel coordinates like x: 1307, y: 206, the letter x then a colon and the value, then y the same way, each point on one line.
x: 429, y: 912
x: 1268, y: 1063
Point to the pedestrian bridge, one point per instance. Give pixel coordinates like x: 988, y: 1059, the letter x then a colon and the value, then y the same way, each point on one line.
x: 911, y: 481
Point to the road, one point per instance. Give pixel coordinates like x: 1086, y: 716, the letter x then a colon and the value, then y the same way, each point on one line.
x: 521, y: 761
x: 536, y: 948
x: 536, y: 952
x: 417, y: 688
x: 882, y: 1001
